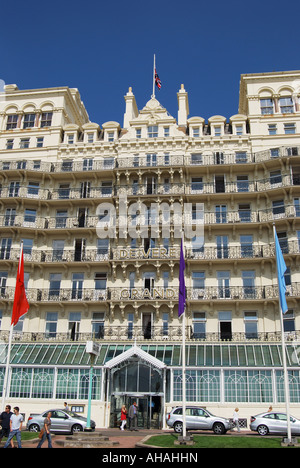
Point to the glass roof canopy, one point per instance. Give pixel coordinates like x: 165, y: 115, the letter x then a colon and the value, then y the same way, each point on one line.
x: 197, y: 355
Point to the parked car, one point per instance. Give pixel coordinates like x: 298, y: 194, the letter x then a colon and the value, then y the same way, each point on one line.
x: 197, y: 419
x: 273, y: 423
x: 61, y: 421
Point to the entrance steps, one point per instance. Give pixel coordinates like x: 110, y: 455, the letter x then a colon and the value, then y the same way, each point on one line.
x: 86, y: 440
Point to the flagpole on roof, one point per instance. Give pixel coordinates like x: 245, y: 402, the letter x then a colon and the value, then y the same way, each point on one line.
x: 281, y: 268
x: 153, y: 90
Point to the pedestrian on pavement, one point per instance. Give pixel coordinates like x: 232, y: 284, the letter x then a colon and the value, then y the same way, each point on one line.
x: 236, y: 419
x: 15, y: 422
x: 66, y: 406
x: 5, y: 423
x: 123, y: 417
x: 132, y: 414
x: 46, y: 433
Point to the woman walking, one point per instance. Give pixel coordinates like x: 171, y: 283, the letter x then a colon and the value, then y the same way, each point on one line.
x: 123, y: 417
x: 46, y: 432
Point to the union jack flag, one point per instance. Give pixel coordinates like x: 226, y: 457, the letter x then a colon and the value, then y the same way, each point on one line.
x: 157, y: 80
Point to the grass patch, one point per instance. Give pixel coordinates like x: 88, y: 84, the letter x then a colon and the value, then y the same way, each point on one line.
x: 25, y: 435
x: 167, y: 441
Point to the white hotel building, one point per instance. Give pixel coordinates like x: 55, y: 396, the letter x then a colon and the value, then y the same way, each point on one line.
x: 57, y: 167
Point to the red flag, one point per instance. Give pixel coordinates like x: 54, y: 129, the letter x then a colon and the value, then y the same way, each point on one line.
x: 21, y: 305
x: 157, y: 80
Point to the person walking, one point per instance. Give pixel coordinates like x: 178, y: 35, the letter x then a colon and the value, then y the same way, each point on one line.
x: 16, y: 421
x: 123, y: 417
x: 66, y: 406
x: 236, y: 419
x: 5, y: 423
x: 132, y: 414
x: 46, y: 433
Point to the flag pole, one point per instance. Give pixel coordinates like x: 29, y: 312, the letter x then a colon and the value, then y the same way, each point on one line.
x: 153, y: 91
x: 283, y: 346
x: 181, y: 313
x: 9, y: 349
x: 183, y: 379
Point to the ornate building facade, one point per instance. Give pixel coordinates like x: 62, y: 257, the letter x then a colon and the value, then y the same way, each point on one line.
x: 100, y: 211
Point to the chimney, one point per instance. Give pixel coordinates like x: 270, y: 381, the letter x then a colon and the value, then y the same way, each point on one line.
x: 183, y: 107
x: 131, y: 110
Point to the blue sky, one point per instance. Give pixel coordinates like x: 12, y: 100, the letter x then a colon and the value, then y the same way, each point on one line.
x: 103, y: 47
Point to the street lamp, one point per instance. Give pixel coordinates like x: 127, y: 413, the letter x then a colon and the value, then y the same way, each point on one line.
x: 94, y: 350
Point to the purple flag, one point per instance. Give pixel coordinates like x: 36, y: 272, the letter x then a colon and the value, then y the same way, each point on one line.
x: 181, y: 303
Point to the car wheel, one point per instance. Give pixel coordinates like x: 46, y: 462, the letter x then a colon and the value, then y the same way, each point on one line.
x: 262, y: 430
x: 34, y: 428
x: 219, y: 428
x: 177, y: 427
x: 76, y: 428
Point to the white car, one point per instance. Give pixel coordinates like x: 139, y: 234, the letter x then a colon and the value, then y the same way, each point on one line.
x: 197, y: 419
x: 61, y: 421
x: 273, y: 423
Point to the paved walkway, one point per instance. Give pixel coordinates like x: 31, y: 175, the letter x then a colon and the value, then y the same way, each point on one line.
x: 125, y: 439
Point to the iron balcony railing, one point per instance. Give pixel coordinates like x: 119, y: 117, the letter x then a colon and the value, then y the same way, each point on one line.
x: 159, y: 293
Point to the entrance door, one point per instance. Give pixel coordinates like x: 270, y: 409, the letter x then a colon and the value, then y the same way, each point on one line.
x: 149, y: 410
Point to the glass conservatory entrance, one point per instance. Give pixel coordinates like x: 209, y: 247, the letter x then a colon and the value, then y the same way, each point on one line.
x: 136, y: 376
x: 149, y: 410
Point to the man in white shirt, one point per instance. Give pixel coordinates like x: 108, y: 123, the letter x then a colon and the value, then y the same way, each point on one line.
x: 16, y: 421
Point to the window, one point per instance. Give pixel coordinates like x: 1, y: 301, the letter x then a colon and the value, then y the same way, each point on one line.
x: 198, y: 278
x: 46, y: 119
x: 245, y: 212
x: 74, y: 325
x: 153, y: 131
x: 77, y: 285
x: 3, y: 279
x: 290, y: 128
x: 10, y: 215
x: 289, y: 321
x: 242, y: 183
x: 197, y: 184
x: 199, y: 325
x: 51, y: 324
x: 40, y: 142
x: 278, y: 208
x: 151, y: 159
x: 9, y: 144
x: 138, y: 133
x: 64, y: 191
x: 5, y: 247
x: 54, y: 286
x: 90, y: 138
x: 250, y: 320
x: 71, y: 139
x: 272, y: 129
x: 14, y: 189
x: 24, y: 143
x: 222, y: 246
x: 130, y: 322
x: 165, y: 324
x: 57, y: 250
x: 166, y: 131
x: 246, y: 246
x: 218, y: 131
x: 221, y: 214
x: 28, y: 120
x: 286, y: 105
x: 12, y: 122
x: 196, y: 132
x: 111, y: 136
x: 61, y: 219
x: 30, y: 216
x: 248, y: 278
x: 239, y: 129
x: 33, y: 189
x: 241, y: 157
x: 102, y: 248
x: 98, y: 324
x: 196, y: 158
x: 266, y: 106
x: 274, y: 153
x: 275, y: 178
x: 87, y: 164
x: 223, y: 279
x: 100, y: 286
x: 27, y: 247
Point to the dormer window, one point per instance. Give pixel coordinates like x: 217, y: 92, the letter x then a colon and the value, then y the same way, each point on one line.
x: 111, y: 136
x: 153, y: 131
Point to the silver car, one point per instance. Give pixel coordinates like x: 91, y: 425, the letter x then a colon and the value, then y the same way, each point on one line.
x: 273, y: 423
x: 197, y: 419
x: 61, y: 421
